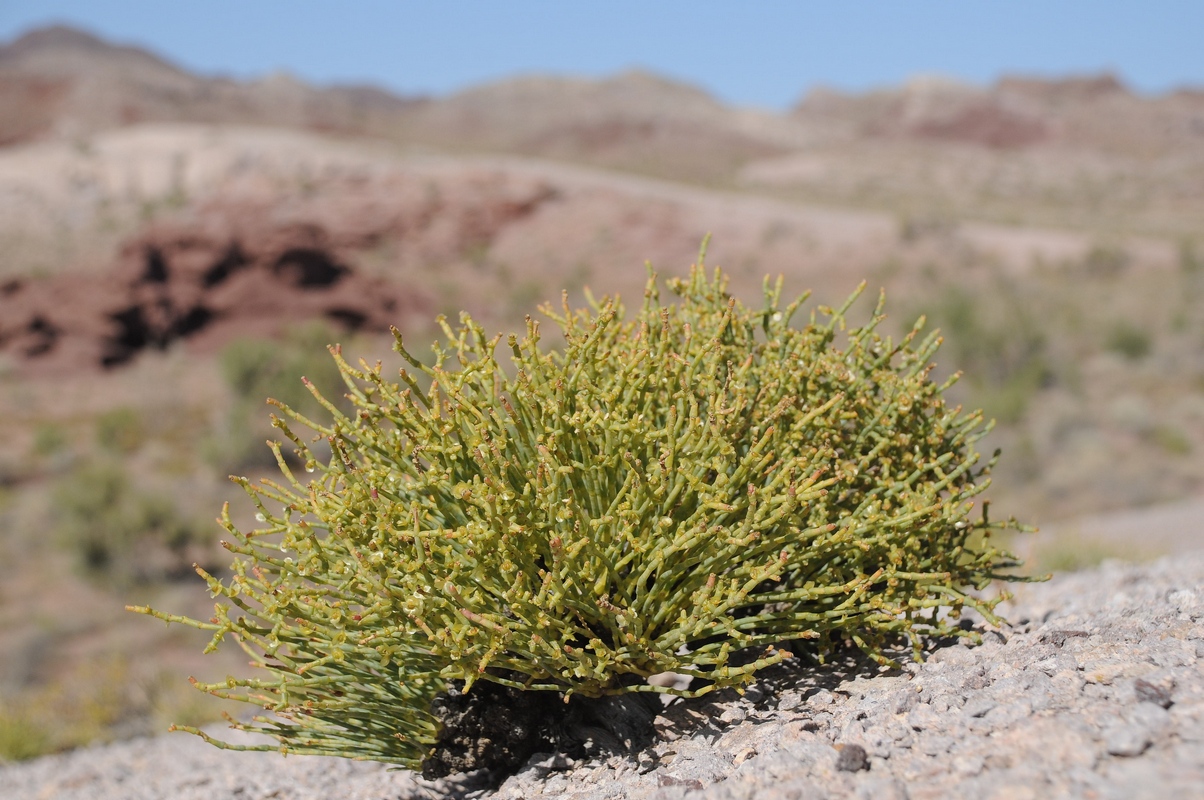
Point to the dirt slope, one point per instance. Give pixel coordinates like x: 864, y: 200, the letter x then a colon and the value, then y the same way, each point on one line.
x: 1079, y: 151
x: 261, y: 227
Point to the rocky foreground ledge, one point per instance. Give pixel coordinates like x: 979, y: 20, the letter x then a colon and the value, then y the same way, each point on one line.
x: 1096, y: 690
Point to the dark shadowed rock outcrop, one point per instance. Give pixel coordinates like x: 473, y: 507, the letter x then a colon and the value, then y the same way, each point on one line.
x: 255, y: 262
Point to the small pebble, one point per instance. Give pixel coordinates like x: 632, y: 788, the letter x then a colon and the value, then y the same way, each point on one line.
x: 790, y: 700
x: 742, y: 756
x: 1127, y: 741
x: 978, y: 707
x: 1058, y: 638
x: 1147, y: 692
x: 852, y: 758
x: 821, y: 698
x: 994, y: 637
x: 669, y: 780
x: 905, y: 700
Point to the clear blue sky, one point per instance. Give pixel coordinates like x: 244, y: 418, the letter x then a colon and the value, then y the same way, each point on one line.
x: 751, y: 52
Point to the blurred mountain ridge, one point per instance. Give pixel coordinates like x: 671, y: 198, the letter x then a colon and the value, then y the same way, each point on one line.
x: 116, y: 154
x: 59, y: 82
x: 63, y: 82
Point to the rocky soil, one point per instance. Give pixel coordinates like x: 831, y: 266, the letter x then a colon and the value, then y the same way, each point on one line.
x: 1095, y: 689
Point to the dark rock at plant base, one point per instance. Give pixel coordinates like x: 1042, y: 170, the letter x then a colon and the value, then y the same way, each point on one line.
x: 491, y: 727
x: 497, y: 729
x: 619, y: 724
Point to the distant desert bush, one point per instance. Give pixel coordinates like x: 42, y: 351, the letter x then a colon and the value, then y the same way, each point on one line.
x: 1129, y: 341
x: 256, y: 369
x: 121, y: 431
x: 996, y: 339
x: 118, y: 532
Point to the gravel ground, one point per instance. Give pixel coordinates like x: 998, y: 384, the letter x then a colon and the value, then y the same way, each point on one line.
x: 1096, y: 690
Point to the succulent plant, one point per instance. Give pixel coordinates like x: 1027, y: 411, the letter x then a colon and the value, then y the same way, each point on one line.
x: 695, y: 490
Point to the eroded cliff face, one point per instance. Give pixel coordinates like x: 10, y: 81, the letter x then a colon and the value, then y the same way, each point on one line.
x: 250, y: 262
x: 62, y: 84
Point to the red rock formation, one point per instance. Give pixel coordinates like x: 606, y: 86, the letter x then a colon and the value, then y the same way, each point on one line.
x: 986, y: 123
x: 256, y: 262
x: 1080, y: 89
x: 942, y: 110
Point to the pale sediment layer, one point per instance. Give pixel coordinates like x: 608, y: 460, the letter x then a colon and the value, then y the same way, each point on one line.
x: 1095, y: 690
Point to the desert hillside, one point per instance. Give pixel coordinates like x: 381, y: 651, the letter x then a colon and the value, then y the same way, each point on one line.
x: 1082, y: 151
x: 176, y: 247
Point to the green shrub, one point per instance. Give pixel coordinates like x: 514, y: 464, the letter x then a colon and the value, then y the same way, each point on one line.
x: 1129, y: 341
x: 1171, y: 440
x: 694, y: 491
x: 259, y: 368
x: 21, y: 735
x: 998, y: 344
x: 1191, y: 262
x: 1106, y: 261
x: 96, y: 514
x: 120, y: 431
x: 49, y: 440
x: 84, y: 705
x: 119, y: 533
